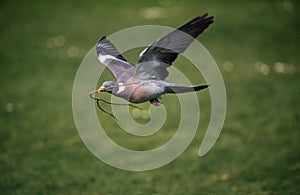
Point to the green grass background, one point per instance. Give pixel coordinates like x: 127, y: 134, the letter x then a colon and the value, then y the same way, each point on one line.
x: 42, y: 44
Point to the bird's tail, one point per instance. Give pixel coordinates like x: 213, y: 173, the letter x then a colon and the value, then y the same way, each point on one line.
x: 183, y: 89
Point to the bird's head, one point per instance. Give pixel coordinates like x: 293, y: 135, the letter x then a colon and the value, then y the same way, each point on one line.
x: 107, y: 86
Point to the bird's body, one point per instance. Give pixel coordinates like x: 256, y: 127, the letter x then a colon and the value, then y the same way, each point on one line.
x: 150, y: 89
x: 146, y: 81
x: 132, y: 89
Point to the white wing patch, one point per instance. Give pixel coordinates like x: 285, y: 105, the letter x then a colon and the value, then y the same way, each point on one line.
x: 105, y: 59
x: 142, y: 53
x: 121, y: 87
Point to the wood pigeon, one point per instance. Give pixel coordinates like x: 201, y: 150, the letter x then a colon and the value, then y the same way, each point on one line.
x: 146, y: 81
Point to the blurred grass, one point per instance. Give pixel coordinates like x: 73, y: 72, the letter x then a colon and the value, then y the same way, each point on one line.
x: 258, y: 150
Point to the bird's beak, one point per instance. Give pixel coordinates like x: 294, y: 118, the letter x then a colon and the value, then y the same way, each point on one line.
x: 101, y: 89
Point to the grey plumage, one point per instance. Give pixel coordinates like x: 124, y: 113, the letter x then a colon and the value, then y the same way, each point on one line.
x: 146, y: 81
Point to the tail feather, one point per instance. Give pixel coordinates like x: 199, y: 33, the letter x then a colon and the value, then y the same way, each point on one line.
x: 183, y: 89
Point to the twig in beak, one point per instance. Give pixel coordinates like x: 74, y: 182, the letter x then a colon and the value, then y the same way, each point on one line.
x: 99, y: 99
x: 110, y: 114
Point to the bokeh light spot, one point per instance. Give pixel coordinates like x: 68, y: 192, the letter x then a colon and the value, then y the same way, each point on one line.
x: 9, y: 107
x: 228, y: 66
x: 72, y: 51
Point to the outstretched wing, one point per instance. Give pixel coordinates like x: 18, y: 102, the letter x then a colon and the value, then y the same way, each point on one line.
x: 109, y: 56
x: 155, y: 59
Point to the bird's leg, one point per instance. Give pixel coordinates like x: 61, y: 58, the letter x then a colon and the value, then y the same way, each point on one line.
x: 156, y: 101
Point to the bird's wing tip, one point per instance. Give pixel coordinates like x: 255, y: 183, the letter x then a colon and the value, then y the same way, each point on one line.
x: 101, y: 39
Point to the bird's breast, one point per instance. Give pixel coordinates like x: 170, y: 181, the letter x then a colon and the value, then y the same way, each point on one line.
x: 138, y: 93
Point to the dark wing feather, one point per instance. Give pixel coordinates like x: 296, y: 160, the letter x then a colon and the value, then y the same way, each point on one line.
x: 108, y: 55
x: 155, y: 59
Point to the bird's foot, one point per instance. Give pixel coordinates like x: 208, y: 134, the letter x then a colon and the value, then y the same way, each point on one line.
x: 155, y: 102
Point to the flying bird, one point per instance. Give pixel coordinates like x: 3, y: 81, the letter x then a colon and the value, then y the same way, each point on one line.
x: 146, y: 81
